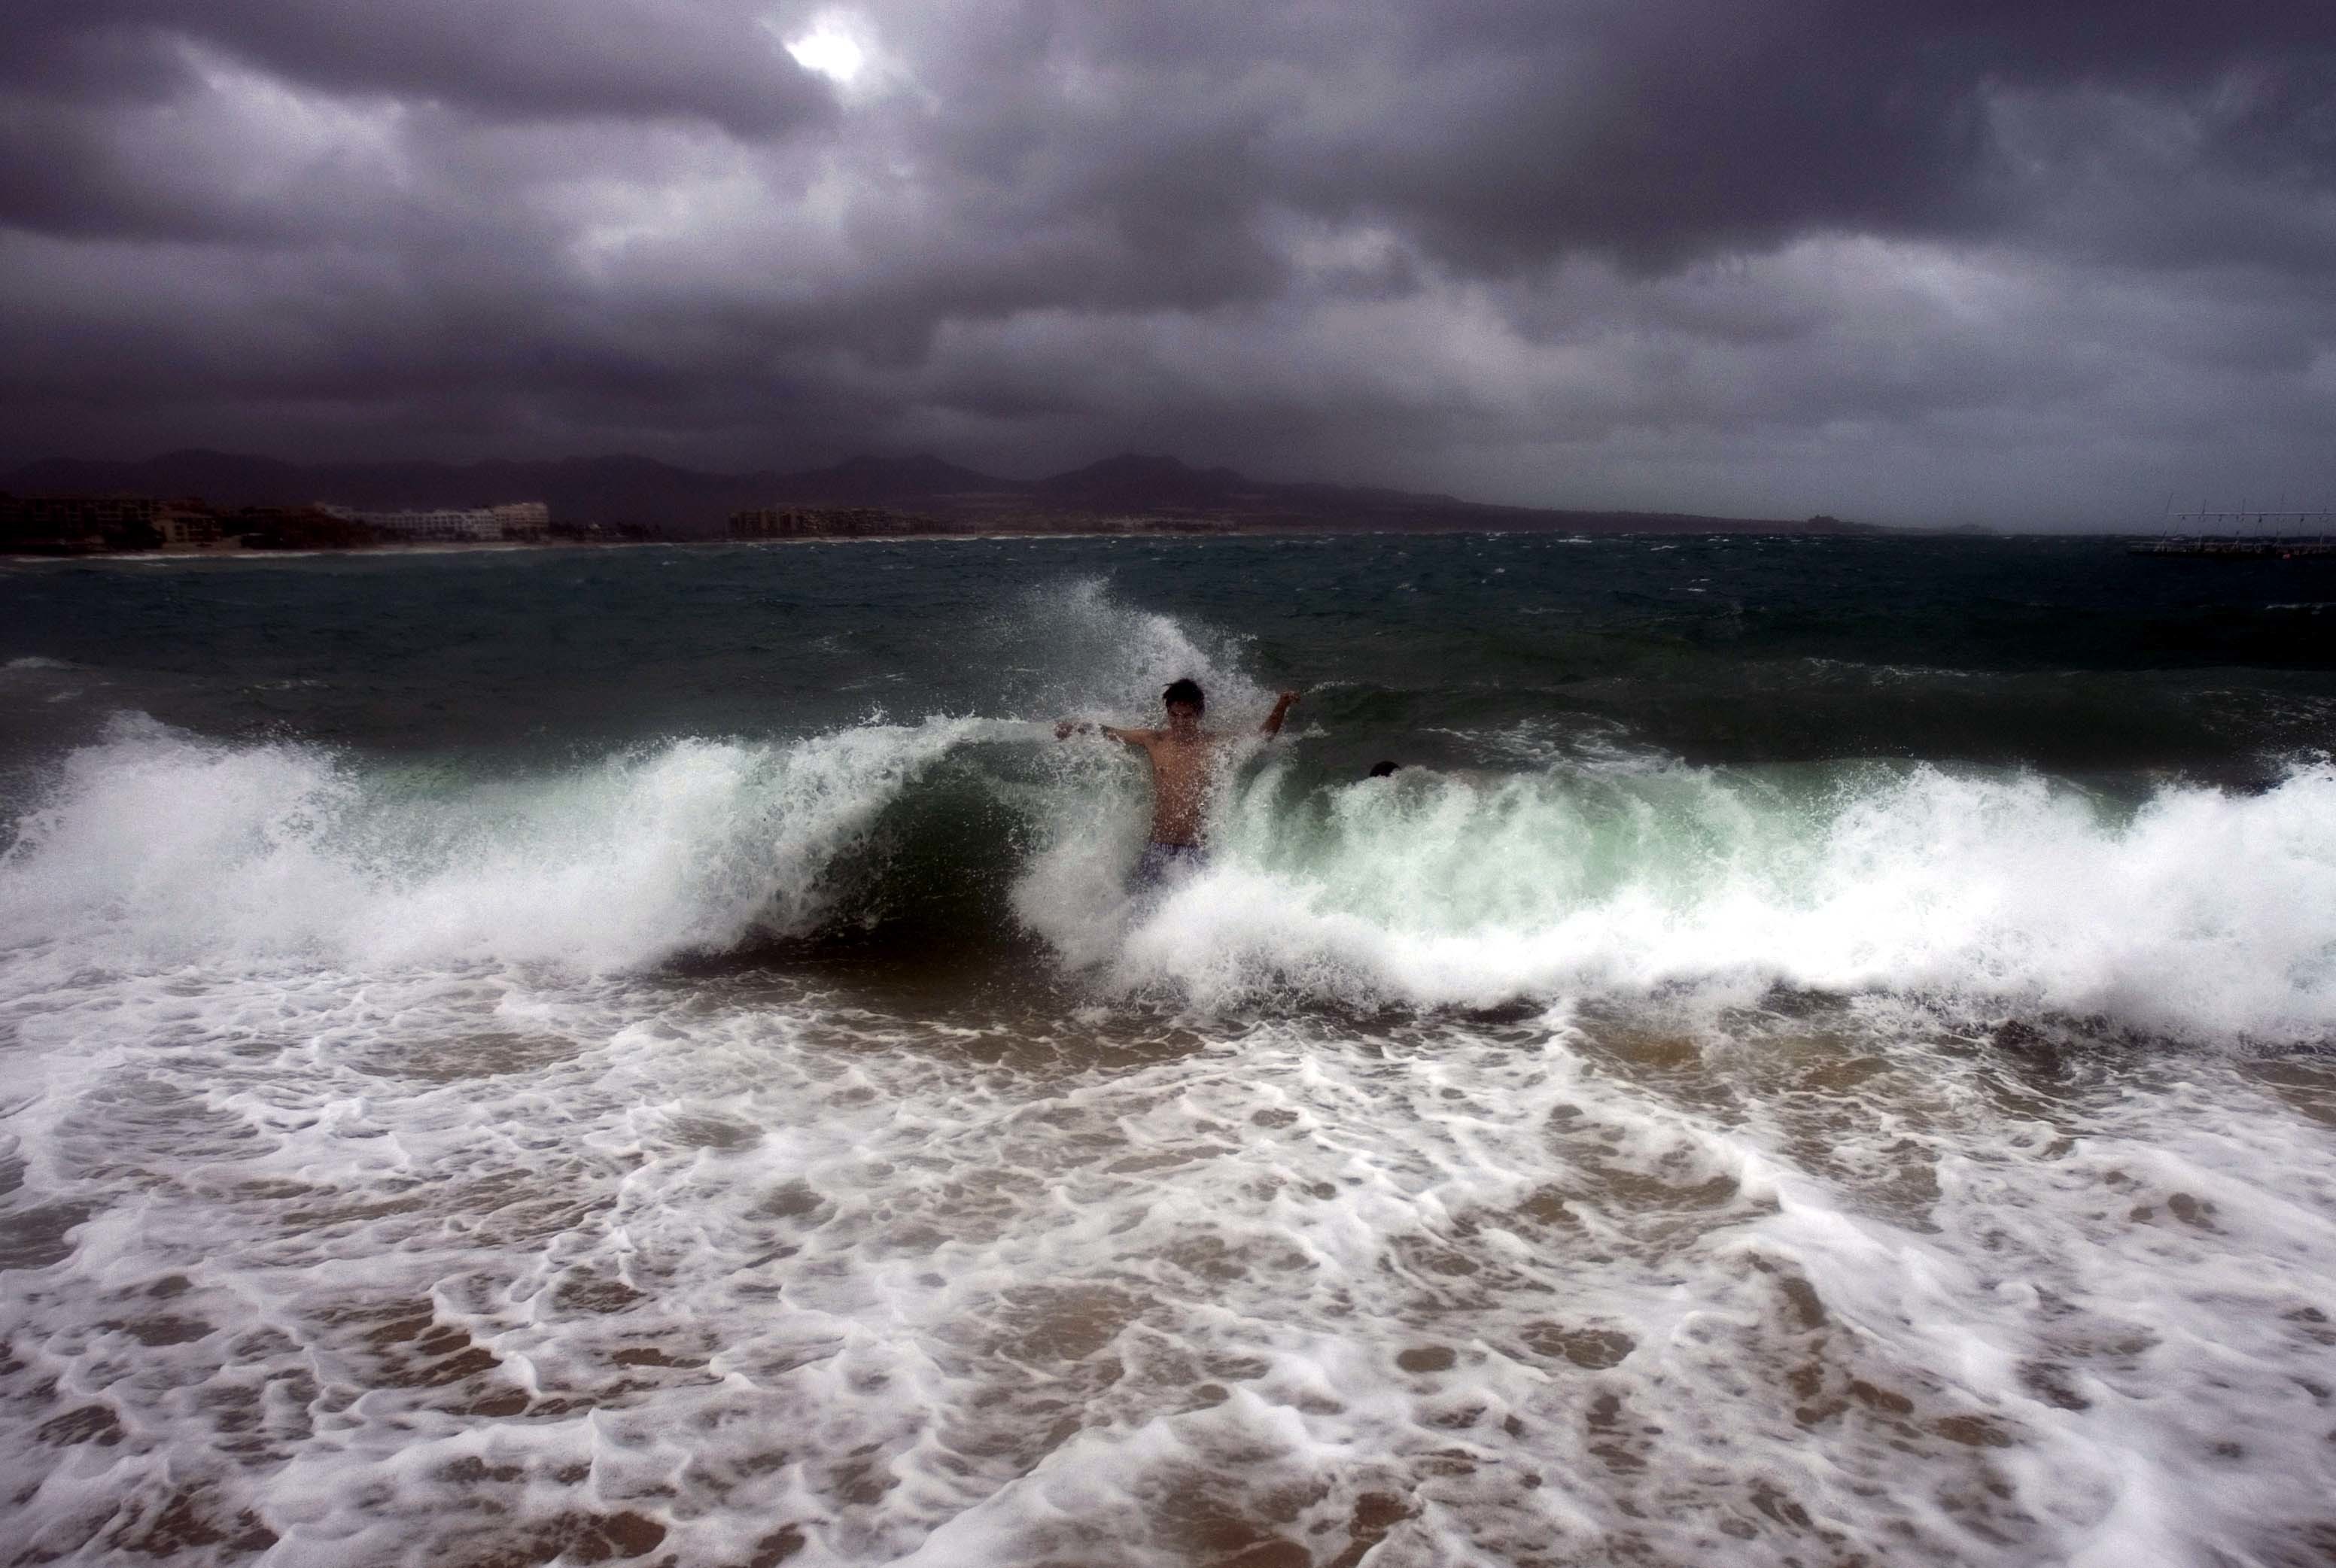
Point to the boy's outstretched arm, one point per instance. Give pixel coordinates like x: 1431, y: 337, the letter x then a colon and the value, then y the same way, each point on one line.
x: 1067, y: 728
x: 1282, y: 705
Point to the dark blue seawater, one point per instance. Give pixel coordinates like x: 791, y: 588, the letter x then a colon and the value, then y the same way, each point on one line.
x: 2066, y: 655
x: 1821, y: 1053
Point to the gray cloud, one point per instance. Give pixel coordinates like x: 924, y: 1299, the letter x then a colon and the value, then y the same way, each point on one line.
x: 1926, y: 260
x: 516, y: 59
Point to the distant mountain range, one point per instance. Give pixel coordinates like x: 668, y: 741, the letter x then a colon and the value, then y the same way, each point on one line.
x: 688, y: 504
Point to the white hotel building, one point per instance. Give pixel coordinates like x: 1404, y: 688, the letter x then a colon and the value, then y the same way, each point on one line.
x: 453, y: 525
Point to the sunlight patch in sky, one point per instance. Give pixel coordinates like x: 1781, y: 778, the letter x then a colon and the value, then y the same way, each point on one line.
x: 830, y: 49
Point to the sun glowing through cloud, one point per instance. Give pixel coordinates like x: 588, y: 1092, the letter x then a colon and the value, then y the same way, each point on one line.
x: 830, y: 50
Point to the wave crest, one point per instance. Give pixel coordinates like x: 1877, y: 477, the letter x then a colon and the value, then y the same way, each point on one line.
x: 2198, y: 911
x: 157, y: 847
x: 2195, y: 911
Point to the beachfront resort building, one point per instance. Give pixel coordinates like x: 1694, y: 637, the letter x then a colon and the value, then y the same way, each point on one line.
x: 455, y: 525
x: 187, y: 525
x: 89, y: 519
x: 80, y: 524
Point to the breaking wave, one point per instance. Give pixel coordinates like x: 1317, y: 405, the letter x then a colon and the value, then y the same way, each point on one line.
x: 155, y: 846
x: 2195, y: 911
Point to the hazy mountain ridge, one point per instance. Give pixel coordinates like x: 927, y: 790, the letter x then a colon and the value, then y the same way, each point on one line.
x: 687, y: 503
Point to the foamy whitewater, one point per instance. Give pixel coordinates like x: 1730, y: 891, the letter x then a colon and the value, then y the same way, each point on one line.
x: 589, y: 1055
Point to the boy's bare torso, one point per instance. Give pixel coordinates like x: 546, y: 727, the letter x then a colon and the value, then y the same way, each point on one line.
x: 1184, y: 770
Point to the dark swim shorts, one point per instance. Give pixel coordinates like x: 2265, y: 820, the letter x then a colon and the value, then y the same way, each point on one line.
x: 1163, y: 863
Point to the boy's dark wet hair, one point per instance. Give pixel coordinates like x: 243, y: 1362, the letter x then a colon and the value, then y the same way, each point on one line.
x: 1381, y: 769
x: 1187, y: 692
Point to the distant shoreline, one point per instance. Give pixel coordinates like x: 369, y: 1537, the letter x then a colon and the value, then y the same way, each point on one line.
x: 1153, y: 535
x: 615, y: 490
x: 508, y: 548
x: 503, y: 546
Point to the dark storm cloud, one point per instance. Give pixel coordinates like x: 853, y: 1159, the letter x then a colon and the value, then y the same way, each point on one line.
x: 539, y: 58
x: 1502, y: 135
x: 1694, y: 248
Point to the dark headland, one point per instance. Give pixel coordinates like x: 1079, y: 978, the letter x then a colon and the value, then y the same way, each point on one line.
x: 640, y: 496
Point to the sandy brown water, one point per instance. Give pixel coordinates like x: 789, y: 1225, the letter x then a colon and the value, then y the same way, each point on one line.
x: 731, y: 1270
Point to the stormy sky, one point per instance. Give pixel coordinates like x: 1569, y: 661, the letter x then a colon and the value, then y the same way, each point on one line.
x: 1914, y: 261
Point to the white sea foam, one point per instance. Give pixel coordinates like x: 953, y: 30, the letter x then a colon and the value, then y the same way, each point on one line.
x: 2208, y: 914
x: 155, y: 847
x: 388, y: 1271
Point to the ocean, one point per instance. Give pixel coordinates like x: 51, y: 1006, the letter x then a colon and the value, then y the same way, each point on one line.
x: 1820, y: 1055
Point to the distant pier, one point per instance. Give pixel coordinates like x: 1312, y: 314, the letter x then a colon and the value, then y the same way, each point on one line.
x: 2279, y: 549
x: 2246, y: 534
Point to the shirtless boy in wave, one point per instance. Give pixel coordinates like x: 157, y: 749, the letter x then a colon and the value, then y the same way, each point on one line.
x: 1184, y: 759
